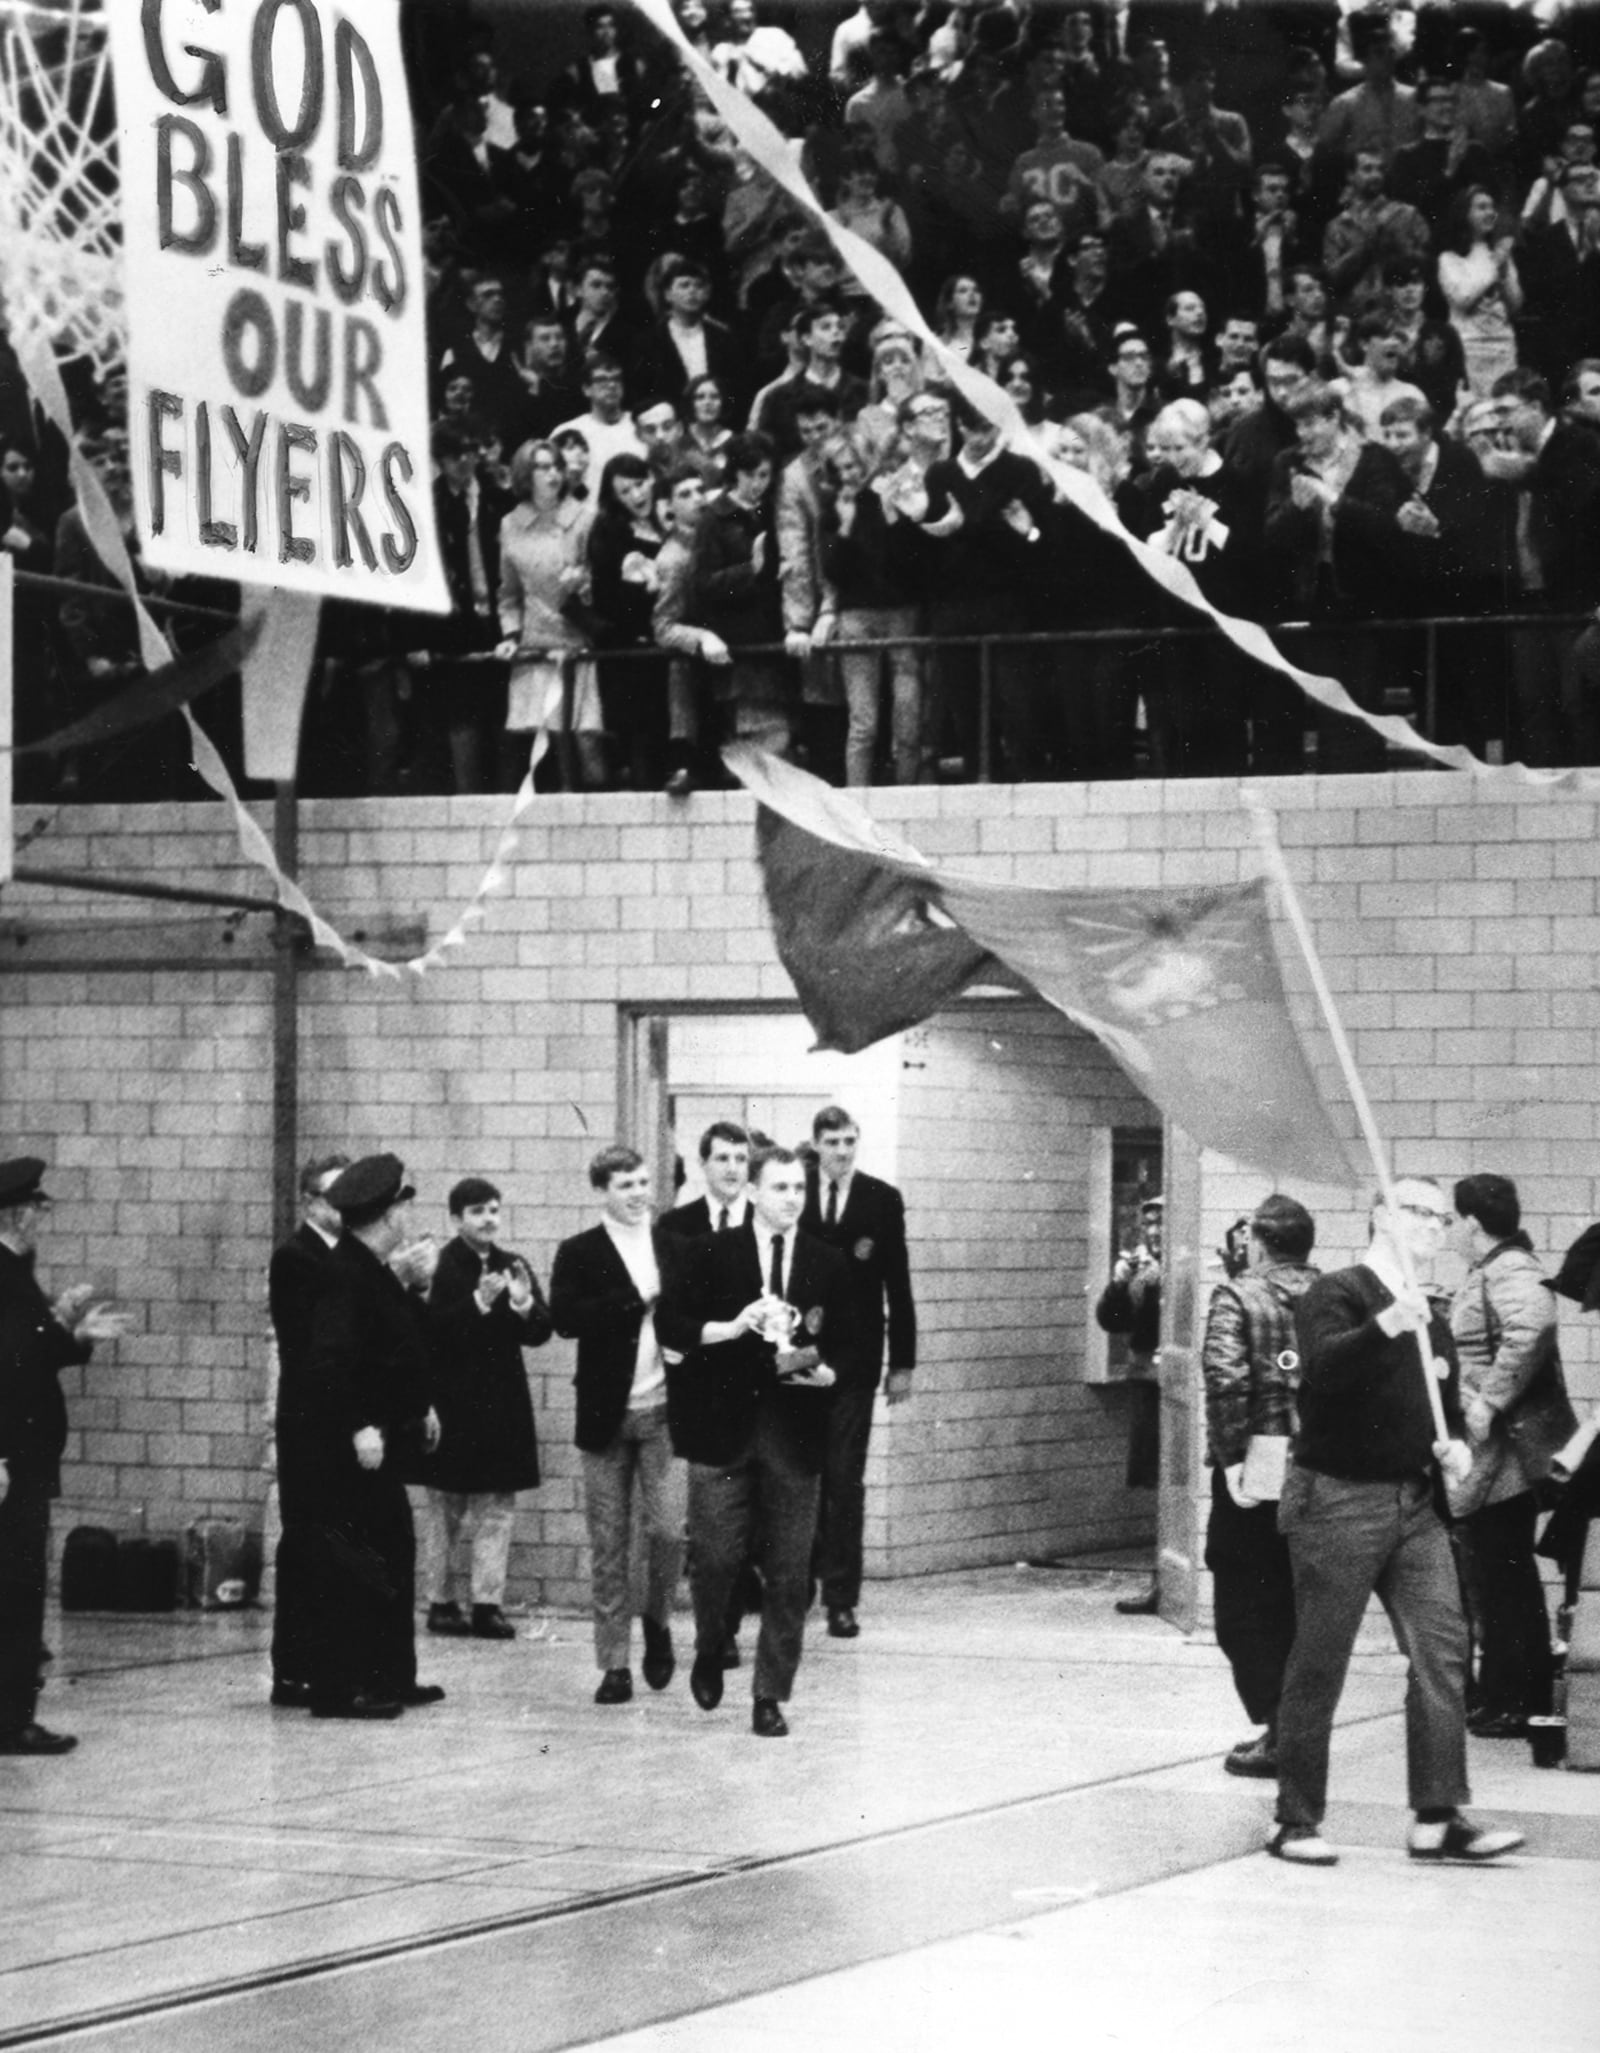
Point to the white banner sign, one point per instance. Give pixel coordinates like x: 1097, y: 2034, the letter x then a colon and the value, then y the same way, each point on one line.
x: 278, y: 392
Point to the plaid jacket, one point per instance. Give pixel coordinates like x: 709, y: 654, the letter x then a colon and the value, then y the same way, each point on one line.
x: 1251, y: 1360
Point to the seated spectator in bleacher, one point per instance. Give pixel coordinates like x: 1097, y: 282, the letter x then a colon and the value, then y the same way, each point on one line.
x: 1379, y: 116
x: 807, y: 277
x: 1121, y: 175
x: 1233, y: 394
x: 1550, y: 100
x: 543, y: 579
x: 1478, y: 278
x: 1187, y: 509
x: 735, y: 592
x: 957, y: 312
x: 1370, y: 232
x: 662, y: 432
x: 820, y: 330
x: 541, y: 363
x: 879, y: 107
x: 607, y: 428
x: 686, y: 343
x: 1238, y: 344
x: 1059, y: 169
x: 1038, y: 281
x: 870, y: 569
x: 996, y: 340
x: 1376, y: 380
x: 483, y: 350
x: 1188, y: 363
x: 1544, y: 204
x: 527, y: 175
x: 1486, y: 110
x: 1311, y: 318
x: 457, y: 176
x: 1134, y: 403
x: 1431, y: 173
x: 1431, y: 355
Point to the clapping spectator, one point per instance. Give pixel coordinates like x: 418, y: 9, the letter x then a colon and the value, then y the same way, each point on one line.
x: 1478, y: 277
x: 543, y: 579
x: 1371, y: 232
x: 735, y: 594
x: 871, y: 573
x: 1188, y: 363
x: 1431, y: 355
x: 957, y: 312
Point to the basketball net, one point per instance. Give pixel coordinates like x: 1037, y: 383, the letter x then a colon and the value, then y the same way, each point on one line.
x: 60, y: 225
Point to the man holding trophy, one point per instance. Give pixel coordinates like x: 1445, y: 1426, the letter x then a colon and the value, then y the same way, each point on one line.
x: 747, y: 1325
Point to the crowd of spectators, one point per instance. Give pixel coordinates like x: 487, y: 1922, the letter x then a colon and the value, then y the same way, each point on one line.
x: 1311, y: 293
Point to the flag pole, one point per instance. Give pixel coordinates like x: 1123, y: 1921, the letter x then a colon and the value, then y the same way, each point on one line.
x: 1272, y: 854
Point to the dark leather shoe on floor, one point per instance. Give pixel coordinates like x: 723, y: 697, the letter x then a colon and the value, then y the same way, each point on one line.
x: 1141, y: 1607
x: 34, y: 1739
x: 447, y: 1618
x: 364, y: 1704
x: 1257, y: 1757
x: 843, y: 1623
x: 660, y: 1664
x: 291, y: 1696
x: 1498, y: 1725
x: 416, y: 1693
x: 705, y: 1682
x: 730, y: 1653
x: 489, y: 1622
x: 767, y: 1720
x: 616, y: 1687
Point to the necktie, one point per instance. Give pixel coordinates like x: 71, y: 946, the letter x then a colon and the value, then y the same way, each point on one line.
x: 722, y: 1222
x: 775, y: 1280
x: 831, y: 1215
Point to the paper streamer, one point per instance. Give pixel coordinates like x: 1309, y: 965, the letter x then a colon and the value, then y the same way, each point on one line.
x: 273, y: 678
x: 779, y: 157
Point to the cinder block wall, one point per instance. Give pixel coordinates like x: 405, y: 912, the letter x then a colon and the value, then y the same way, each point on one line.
x: 1458, y: 929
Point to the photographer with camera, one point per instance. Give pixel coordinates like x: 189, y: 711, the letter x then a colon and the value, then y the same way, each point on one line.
x: 1130, y: 1305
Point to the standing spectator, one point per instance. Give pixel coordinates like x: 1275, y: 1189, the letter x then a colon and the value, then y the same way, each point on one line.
x: 1432, y: 173
x: 707, y: 432
x: 1059, y: 169
x: 897, y: 375
x: 1371, y: 232
x: 604, y: 1289
x: 1478, y: 277
x: 1251, y: 1366
x: 295, y: 1276
x: 599, y: 326
x: 38, y: 1339
x: 1431, y: 355
x: 821, y: 331
x: 735, y: 592
x: 606, y: 75
x: 1517, y: 1416
x: 810, y: 611
x: 1155, y: 248
x: 1130, y: 1305
x: 864, y: 1218
x: 1559, y: 266
x: 866, y: 209
x: 762, y: 61
x: 753, y: 1317
x: 1486, y: 110
x: 1188, y: 363
x: 1310, y: 318
x: 880, y: 107
x: 484, y: 352
x: 607, y: 429
x: 624, y: 543
x: 1133, y: 405
x: 525, y: 171
x: 872, y: 576
x: 1266, y: 243
x: 1358, y: 1513
x: 543, y: 570
x: 541, y: 364
x: 1086, y: 309
x: 1121, y: 177
x: 997, y: 341
x: 1375, y: 382
x: 1216, y: 143
x: 686, y: 645
x: 1379, y: 116
x: 687, y: 344
x: 487, y: 1307
x: 369, y: 1418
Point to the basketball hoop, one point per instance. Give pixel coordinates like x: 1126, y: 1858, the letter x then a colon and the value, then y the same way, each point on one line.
x: 60, y: 219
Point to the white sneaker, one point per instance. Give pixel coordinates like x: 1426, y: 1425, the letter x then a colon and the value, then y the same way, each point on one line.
x: 1303, y: 1845
x: 1458, y: 1839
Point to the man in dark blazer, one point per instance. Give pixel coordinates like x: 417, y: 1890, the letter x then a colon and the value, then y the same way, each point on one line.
x: 487, y: 1307
x: 603, y: 1288
x: 725, y: 1165
x: 38, y: 1339
x: 865, y: 1219
x: 748, y: 1323
x: 295, y: 1276
x: 369, y: 1414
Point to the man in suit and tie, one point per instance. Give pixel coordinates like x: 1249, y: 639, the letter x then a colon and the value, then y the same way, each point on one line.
x: 865, y: 1219
x: 725, y: 1165
x: 295, y: 1276
x: 750, y: 1321
x: 603, y: 1289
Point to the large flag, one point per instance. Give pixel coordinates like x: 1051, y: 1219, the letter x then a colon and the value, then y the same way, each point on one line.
x: 1183, y: 988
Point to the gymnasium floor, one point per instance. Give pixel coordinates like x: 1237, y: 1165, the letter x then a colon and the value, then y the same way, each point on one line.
x: 1000, y: 1813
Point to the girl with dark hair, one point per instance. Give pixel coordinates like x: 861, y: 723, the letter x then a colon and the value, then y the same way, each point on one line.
x: 1517, y: 1416
x: 1478, y: 277
x: 705, y: 407
x: 623, y: 546
x: 956, y: 313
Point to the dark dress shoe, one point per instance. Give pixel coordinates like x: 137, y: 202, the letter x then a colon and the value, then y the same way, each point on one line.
x: 1146, y: 1606
x: 730, y: 1652
x: 767, y: 1720
x: 416, y: 1693
x: 447, y: 1619
x: 705, y: 1681
x: 34, y: 1739
x: 364, y: 1704
x: 489, y: 1622
x: 843, y: 1623
x: 1498, y: 1725
x: 660, y: 1663
x: 1257, y: 1757
x: 616, y: 1687
x: 291, y: 1696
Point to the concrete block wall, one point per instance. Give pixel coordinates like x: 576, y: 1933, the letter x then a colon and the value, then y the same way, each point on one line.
x: 1457, y: 928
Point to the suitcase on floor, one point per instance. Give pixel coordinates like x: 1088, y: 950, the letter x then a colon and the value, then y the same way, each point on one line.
x: 89, y: 1569
x: 147, y: 1575
x: 221, y: 1567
